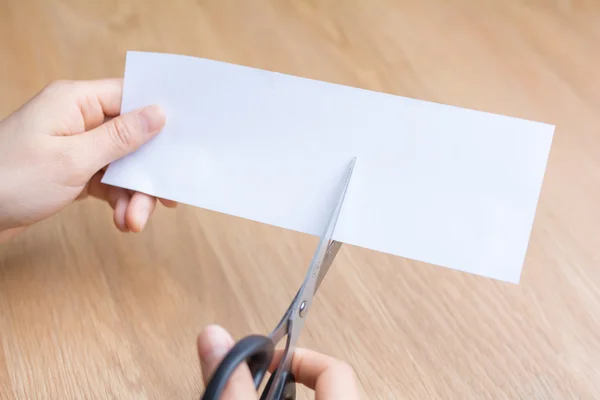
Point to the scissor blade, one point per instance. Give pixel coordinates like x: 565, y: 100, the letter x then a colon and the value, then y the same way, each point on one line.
x: 329, y: 230
x: 293, y: 320
x: 325, y: 252
x: 332, y: 251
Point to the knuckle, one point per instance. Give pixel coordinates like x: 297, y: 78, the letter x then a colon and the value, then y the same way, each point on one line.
x: 54, y: 85
x: 121, y: 133
x: 63, y: 89
x: 57, y: 85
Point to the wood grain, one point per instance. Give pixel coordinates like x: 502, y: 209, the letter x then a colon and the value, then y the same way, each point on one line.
x: 87, y: 312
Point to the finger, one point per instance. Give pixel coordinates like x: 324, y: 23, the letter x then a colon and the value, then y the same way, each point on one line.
x: 330, y: 378
x: 99, y: 99
x: 119, y: 200
x: 94, y: 149
x: 109, y: 93
x: 139, y: 210
x: 99, y: 190
x: 96, y: 100
x: 213, y: 344
x: 168, y: 203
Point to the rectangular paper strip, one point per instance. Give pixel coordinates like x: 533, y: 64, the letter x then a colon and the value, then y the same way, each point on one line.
x: 440, y: 184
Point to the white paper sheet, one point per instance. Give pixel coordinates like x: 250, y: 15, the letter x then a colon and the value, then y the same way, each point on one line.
x: 448, y: 186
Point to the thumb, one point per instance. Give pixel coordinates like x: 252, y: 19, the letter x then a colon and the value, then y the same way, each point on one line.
x: 213, y: 344
x: 121, y: 135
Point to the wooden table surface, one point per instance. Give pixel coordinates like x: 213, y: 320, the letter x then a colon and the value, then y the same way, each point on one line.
x: 88, y: 312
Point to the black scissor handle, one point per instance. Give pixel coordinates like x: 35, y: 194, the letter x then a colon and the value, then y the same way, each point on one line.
x: 287, y: 391
x: 257, y: 351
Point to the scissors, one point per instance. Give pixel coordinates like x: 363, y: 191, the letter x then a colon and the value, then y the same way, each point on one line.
x: 257, y: 350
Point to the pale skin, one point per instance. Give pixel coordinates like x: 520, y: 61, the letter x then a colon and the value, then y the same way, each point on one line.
x: 54, y: 150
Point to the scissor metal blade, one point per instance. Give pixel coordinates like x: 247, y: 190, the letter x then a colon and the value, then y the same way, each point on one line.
x: 326, y: 251
x: 281, y: 329
x: 334, y: 247
x: 293, y: 320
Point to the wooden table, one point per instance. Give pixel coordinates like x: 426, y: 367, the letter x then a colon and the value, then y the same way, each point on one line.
x: 88, y: 312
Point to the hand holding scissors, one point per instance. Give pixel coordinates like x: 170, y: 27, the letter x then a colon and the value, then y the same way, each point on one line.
x: 331, y: 379
x: 258, y: 352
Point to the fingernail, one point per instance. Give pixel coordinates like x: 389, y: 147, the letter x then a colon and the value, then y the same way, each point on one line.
x: 152, y: 119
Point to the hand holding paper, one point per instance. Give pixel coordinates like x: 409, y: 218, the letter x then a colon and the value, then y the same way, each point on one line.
x: 54, y: 148
x: 435, y: 183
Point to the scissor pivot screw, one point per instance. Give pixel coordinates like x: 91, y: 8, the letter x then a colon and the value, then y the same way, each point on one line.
x: 302, y: 309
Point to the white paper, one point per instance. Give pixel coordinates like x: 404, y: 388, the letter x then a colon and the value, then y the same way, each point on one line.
x: 444, y: 185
